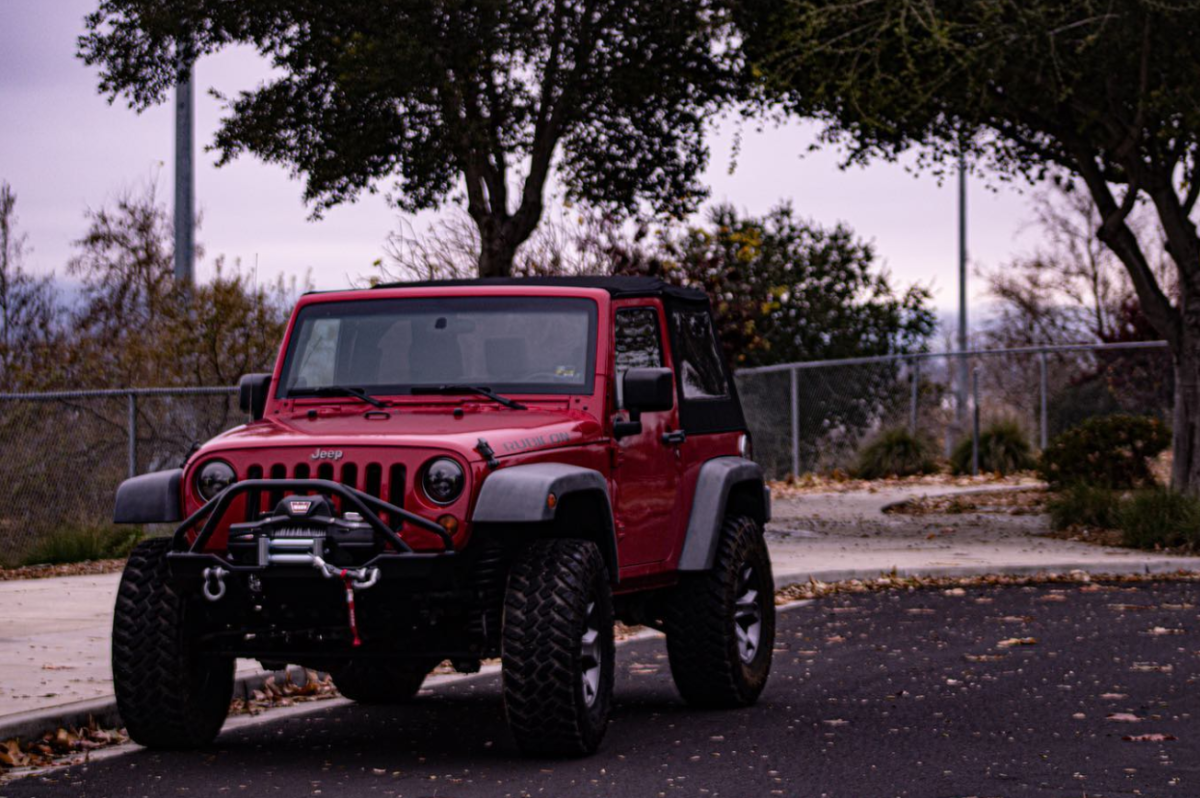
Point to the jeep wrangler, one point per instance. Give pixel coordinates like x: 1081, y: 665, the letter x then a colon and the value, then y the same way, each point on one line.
x: 460, y: 470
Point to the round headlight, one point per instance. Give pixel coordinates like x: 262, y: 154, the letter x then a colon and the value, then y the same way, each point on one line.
x: 443, y: 480
x: 214, y: 477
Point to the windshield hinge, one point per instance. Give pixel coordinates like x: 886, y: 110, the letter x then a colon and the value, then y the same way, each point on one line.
x: 486, y: 453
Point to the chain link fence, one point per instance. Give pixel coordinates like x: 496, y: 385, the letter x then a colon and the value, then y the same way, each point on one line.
x: 62, y: 454
x: 815, y: 416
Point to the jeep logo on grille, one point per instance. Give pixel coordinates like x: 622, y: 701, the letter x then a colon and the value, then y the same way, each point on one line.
x: 327, y: 454
x: 300, y: 506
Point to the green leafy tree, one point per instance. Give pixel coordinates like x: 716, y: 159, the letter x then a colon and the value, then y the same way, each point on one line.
x: 1103, y: 92
x: 487, y: 95
x: 787, y: 290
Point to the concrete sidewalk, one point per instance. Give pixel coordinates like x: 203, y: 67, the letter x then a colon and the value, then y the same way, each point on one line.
x: 54, y: 642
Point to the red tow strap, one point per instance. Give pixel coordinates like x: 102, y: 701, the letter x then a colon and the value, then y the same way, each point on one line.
x: 350, y: 606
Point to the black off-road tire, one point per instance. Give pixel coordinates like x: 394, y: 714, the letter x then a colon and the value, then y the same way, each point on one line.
x: 380, y: 681
x: 702, y: 641
x: 169, y: 694
x: 558, y: 590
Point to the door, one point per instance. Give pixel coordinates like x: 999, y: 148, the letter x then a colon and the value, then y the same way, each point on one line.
x: 647, y: 464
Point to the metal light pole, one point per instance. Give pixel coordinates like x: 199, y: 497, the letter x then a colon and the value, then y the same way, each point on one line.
x: 963, y: 365
x: 185, y: 216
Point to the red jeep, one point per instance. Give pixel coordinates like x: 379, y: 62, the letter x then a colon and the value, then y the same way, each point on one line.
x: 456, y: 471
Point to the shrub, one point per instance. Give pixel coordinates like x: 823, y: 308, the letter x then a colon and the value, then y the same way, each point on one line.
x: 1111, y: 452
x: 80, y: 544
x: 1159, y: 517
x: 1003, y: 449
x: 1085, y: 505
x: 895, y: 452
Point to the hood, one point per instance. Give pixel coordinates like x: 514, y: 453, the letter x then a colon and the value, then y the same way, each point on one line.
x: 506, y: 431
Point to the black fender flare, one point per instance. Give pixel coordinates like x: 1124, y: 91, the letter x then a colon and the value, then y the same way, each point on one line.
x: 521, y: 495
x: 722, y: 479
x: 152, y: 498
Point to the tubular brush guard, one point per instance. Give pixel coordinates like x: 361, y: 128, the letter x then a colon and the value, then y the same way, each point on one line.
x: 192, y: 561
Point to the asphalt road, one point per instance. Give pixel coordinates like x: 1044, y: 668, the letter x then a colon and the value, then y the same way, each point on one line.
x: 891, y: 694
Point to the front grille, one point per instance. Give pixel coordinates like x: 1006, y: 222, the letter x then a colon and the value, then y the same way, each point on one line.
x: 382, y: 480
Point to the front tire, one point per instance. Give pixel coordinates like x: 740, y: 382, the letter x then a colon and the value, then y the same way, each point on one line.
x: 169, y: 694
x: 557, y: 649
x: 370, y: 681
x: 720, y: 624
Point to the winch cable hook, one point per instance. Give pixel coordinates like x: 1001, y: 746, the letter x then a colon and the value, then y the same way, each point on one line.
x: 348, y: 581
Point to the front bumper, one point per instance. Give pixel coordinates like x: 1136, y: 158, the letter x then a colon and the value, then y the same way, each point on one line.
x: 308, y: 553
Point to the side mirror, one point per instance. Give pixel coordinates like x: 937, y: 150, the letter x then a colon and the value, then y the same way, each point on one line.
x: 647, y: 390
x: 252, y: 394
x: 643, y: 391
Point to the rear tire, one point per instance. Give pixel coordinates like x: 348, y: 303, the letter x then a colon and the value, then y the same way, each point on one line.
x: 169, y: 694
x: 380, y: 681
x: 557, y: 649
x: 720, y: 624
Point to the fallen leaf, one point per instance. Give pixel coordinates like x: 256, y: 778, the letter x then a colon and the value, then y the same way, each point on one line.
x: 1124, y: 717
x: 1148, y: 738
x: 1151, y: 667
x: 1017, y: 641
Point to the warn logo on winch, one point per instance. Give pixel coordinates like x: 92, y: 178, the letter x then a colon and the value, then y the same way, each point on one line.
x: 299, y: 506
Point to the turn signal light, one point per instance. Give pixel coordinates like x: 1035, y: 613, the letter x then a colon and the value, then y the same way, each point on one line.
x: 448, y: 523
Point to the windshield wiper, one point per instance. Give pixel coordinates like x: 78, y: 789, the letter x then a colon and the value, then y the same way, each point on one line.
x: 338, y: 390
x: 451, y: 390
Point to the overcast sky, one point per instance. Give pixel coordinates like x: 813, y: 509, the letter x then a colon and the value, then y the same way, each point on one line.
x: 65, y: 149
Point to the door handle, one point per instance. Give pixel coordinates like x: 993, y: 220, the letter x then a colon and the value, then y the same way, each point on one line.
x: 674, y: 438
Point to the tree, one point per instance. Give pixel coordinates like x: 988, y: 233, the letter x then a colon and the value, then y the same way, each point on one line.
x: 1072, y: 289
x: 787, y: 290
x: 490, y: 95
x: 1105, y: 92
x: 135, y: 326
x: 449, y: 249
x: 29, y: 308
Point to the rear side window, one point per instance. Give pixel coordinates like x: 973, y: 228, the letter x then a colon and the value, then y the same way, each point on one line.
x: 698, y: 356
x: 635, y: 339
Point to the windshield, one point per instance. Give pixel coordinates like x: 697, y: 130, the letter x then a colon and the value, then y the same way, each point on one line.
x: 534, y: 345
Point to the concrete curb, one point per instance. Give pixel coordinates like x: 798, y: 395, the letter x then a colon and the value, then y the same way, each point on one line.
x: 35, y: 723
x: 1191, y: 566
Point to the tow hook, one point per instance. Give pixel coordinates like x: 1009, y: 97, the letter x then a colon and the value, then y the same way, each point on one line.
x: 214, y: 583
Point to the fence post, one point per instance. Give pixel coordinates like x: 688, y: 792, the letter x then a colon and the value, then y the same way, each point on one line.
x: 916, y: 382
x: 132, y: 434
x: 975, y: 424
x: 1045, y: 425
x: 795, y: 405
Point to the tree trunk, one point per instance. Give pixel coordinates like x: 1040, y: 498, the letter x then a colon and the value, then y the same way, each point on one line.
x: 496, y: 251
x: 1185, y: 470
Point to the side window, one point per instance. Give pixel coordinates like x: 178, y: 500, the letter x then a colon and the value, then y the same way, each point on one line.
x: 697, y: 357
x: 635, y: 339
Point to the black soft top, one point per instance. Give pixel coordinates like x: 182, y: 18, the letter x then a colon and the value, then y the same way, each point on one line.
x: 615, y: 286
